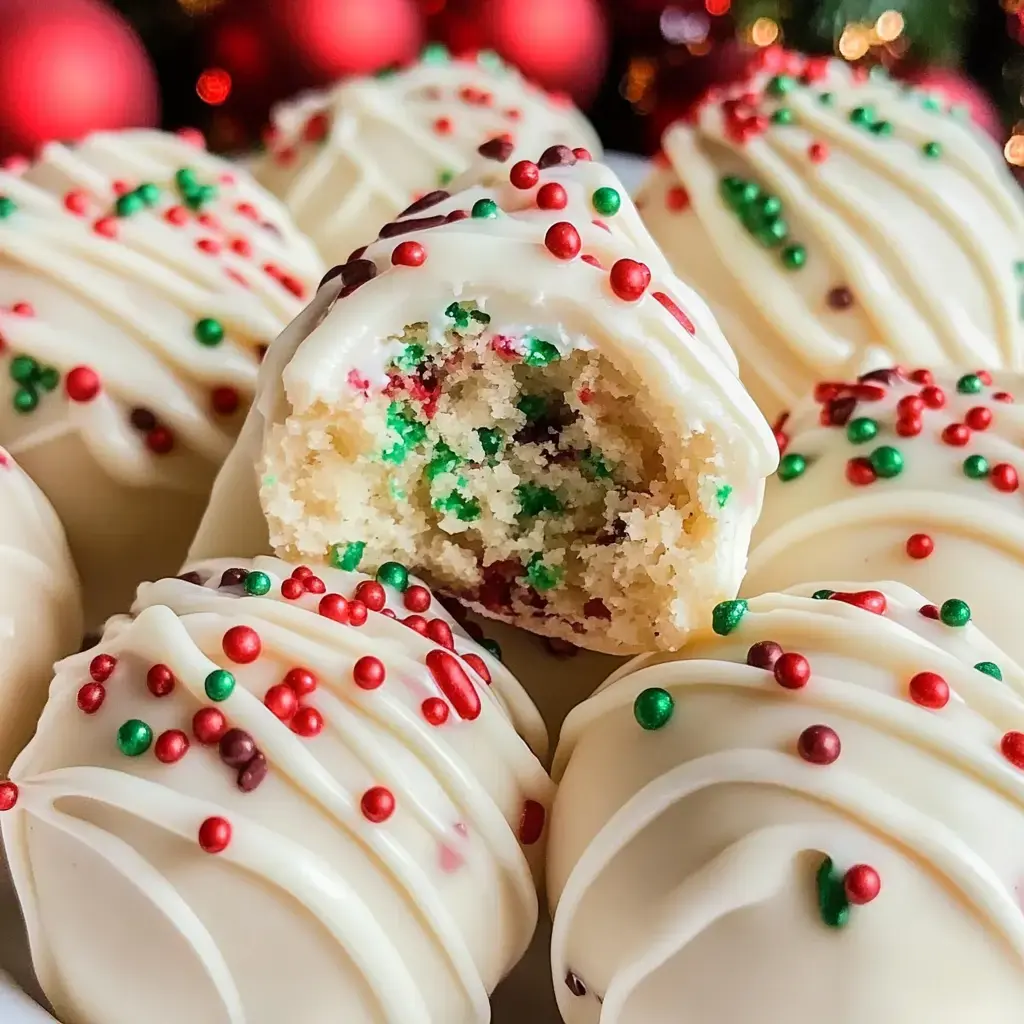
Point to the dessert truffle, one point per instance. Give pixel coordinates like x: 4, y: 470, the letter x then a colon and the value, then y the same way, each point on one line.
x: 514, y: 395
x: 271, y: 793
x: 40, y: 605
x: 347, y: 160
x: 903, y: 475
x: 817, y: 804
x: 829, y: 215
x: 141, y: 279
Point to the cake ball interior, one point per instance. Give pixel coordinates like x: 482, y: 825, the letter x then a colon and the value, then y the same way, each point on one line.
x: 518, y: 473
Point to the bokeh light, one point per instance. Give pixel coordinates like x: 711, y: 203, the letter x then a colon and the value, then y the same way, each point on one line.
x: 214, y: 86
x: 764, y: 32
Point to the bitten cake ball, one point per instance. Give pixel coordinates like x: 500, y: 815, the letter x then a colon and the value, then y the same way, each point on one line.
x: 515, y: 396
x: 904, y: 476
x: 141, y: 279
x: 813, y: 813
x: 272, y: 793
x: 347, y: 160
x: 828, y: 215
x: 40, y: 605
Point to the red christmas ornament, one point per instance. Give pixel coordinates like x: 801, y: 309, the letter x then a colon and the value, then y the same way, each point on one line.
x: 215, y: 835
x: 67, y: 68
x: 862, y: 884
x: 377, y: 804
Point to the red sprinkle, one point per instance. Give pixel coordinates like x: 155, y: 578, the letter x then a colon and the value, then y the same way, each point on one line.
x: 215, y: 835
x: 307, y: 723
x: 477, y: 664
x: 956, y: 434
x: 818, y: 152
x: 441, y: 633
x: 76, y: 202
x: 929, y: 690
x: 792, y: 671
x: 282, y: 701
x: 301, y: 680
x: 1004, y: 477
x: 357, y: 613
x: 334, y: 606
x: 292, y: 589
x: 979, y: 418
x: 910, y: 405
x: 819, y: 744
x: 377, y: 804
x: 435, y: 710
x: 209, y: 725
x: 920, y: 545
x: 171, y: 746
x: 531, y: 822
x: 929, y: 611
x: 416, y: 598
x: 677, y: 199
x: 408, y: 254
x: 372, y: 594
x: 453, y: 682
x: 674, y: 309
x: 860, y: 472
x: 563, y: 240
x: 909, y: 426
x: 629, y: 279
x: 8, y: 795
x: 933, y: 397
x: 160, y: 680
x: 91, y: 697
x: 101, y: 667
x: 82, y: 384
x: 416, y: 623
x: 524, y: 174
x: 368, y: 672
x: 242, y: 645
x: 867, y: 600
x: 224, y: 400
x: 862, y: 884
x: 1012, y: 746
x: 552, y: 196
x: 160, y: 441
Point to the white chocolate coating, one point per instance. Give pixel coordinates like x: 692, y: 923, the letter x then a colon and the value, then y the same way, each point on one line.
x: 820, y: 525
x: 928, y: 248
x: 311, y: 907
x: 347, y: 160
x: 685, y: 372
x: 682, y: 861
x: 40, y: 605
x: 128, y: 307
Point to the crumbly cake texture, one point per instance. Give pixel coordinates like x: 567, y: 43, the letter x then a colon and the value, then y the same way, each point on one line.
x: 507, y: 397
x: 910, y: 475
x: 270, y: 792
x: 827, y: 782
x: 837, y: 221
x: 141, y: 280
x: 40, y: 604
x: 347, y: 160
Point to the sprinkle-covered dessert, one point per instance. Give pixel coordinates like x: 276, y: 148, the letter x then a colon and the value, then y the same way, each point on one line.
x: 347, y: 160
x: 272, y: 792
x: 829, y: 215
x: 813, y: 813
x: 141, y: 281
x: 40, y: 604
x: 908, y: 475
x: 513, y: 394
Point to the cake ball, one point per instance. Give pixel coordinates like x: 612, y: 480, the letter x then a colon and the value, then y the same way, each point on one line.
x: 514, y: 395
x: 829, y: 215
x: 817, y: 804
x: 904, y: 476
x: 270, y: 793
x: 141, y: 279
x: 347, y: 160
x: 40, y: 605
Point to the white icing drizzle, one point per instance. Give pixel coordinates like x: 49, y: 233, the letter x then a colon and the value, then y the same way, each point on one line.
x: 180, y: 624
x: 861, y: 664
x: 128, y: 306
x: 388, y: 139
x: 927, y: 246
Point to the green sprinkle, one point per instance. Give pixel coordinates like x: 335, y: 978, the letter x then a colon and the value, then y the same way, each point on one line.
x: 464, y: 509
x: 727, y: 616
x: 485, y: 209
x: 534, y: 499
x: 257, y: 584
x: 976, y: 467
x: 393, y: 574
x: 770, y: 206
x: 533, y: 407
x: 7, y: 207
x: 480, y: 316
x: 410, y: 357
x: 882, y: 128
x: 822, y: 595
x: 444, y: 461
x: 863, y: 116
x: 783, y: 116
x: 932, y: 150
x: 780, y: 85
x: 134, y: 738
x: 833, y: 905
x: 491, y: 646
x: 791, y: 467
x: 23, y: 369
x: 185, y: 179
x: 129, y: 204
x: 25, y: 399
x: 773, y: 233
x: 209, y: 332
x: 540, y: 353
x: 445, y: 178
x: 458, y: 314
x: 349, y: 556
x: 542, y: 577
x: 723, y: 494
x: 990, y: 668
x: 47, y: 378
x: 969, y: 384
x: 594, y: 465
x: 401, y: 420
x: 794, y: 257
x: 1018, y: 268
x: 491, y: 440
x: 827, y: 99
x: 860, y: 430
x: 219, y: 684
x: 491, y: 60
x: 148, y: 193
x: 955, y: 612
x: 932, y: 103
x: 886, y: 461
x: 606, y: 201
x: 653, y: 708
x: 200, y: 197
x: 435, y: 53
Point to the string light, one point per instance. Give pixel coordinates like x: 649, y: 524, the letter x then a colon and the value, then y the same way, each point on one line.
x: 764, y: 32
x: 854, y: 42
x: 716, y: 8
x: 638, y: 79
x: 1014, y: 150
x: 214, y: 86
x: 889, y: 26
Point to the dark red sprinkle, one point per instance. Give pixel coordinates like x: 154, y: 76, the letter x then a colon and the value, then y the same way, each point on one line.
x: 929, y: 611
x: 595, y: 608
x: 496, y: 149
x: 478, y: 665
x: 252, y: 774
x: 403, y: 227
x: 840, y: 410
x: 455, y: 215
x: 575, y: 985
x: 423, y: 203
x: 764, y: 654
x: 191, y: 577
x: 441, y: 633
x: 237, y: 748
x: 840, y: 298
x: 352, y: 274
x: 556, y: 156
x: 357, y: 254
x: 531, y: 822
x: 887, y: 376
x: 142, y: 419
x: 233, y: 577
